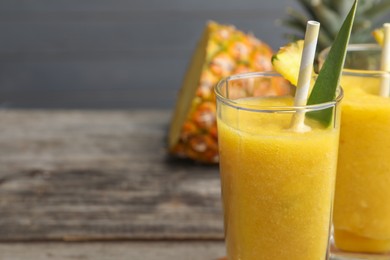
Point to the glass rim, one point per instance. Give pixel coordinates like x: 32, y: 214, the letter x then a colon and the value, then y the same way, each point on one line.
x: 355, y: 47
x: 266, y: 108
x: 358, y: 47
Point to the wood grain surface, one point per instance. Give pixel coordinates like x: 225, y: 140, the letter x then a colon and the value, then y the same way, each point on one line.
x: 146, y: 250
x: 97, y: 175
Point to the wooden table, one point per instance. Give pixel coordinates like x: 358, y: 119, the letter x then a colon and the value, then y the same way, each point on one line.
x: 99, y: 185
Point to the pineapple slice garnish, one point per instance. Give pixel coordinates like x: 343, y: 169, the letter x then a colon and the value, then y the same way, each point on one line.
x: 379, y: 34
x: 287, y: 61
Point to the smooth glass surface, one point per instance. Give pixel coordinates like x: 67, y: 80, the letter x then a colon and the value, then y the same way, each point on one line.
x: 277, y: 184
x: 362, y: 199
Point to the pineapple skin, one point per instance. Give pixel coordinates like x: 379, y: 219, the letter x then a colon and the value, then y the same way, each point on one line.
x: 227, y: 51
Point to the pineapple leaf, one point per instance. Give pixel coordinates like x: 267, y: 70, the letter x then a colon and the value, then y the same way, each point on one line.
x: 324, y: 40
x: 362, y: 37
x: 294, y: 24
x: 369, y: 14
x: 308, y: 8
x: 297, y: 15
x: 377, y: 10
x: 332, y: 18
x: 341, y: 7
x: 292, y: 37
x: 297, y: 22
x: 362, y: 25
x: 329, y: 77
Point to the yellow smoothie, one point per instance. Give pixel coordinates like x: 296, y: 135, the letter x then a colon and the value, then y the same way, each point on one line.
x: 277, y: 184
x: 362, y: 201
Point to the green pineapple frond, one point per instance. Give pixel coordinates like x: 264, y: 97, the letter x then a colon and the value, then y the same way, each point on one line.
x: 331, y: 13
x: 295, y: 20
x: 377, y: 10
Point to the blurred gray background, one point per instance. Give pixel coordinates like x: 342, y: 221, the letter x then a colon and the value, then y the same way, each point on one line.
x: 113, y: 53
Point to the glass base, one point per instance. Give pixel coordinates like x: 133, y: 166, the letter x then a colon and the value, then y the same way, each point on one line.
x: 337, y: 254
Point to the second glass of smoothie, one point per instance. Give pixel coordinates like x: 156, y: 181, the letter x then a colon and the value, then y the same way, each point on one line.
x: 362, y: 199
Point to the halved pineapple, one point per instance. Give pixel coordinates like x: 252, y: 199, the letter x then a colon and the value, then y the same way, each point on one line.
x: 222, y: 51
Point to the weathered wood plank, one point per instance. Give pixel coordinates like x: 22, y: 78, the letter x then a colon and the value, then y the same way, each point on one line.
x: 71, y: 175
x: 134, y: 250
x: 173, y: 250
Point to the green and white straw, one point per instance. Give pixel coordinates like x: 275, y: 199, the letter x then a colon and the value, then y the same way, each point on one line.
x: 305, y: 75
x: 385, y: 62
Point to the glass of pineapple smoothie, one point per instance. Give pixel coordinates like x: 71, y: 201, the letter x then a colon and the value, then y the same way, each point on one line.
x: 362, y: 198
x: 277, y: 184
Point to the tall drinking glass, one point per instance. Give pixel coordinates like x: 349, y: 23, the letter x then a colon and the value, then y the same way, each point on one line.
x: 277, y: 184
x: 362, y: 199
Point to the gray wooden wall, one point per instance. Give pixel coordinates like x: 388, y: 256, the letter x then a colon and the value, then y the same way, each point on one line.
x: 112, y: 53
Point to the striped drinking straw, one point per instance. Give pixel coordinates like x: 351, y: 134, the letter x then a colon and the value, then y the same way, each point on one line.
x: 305, y: 75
